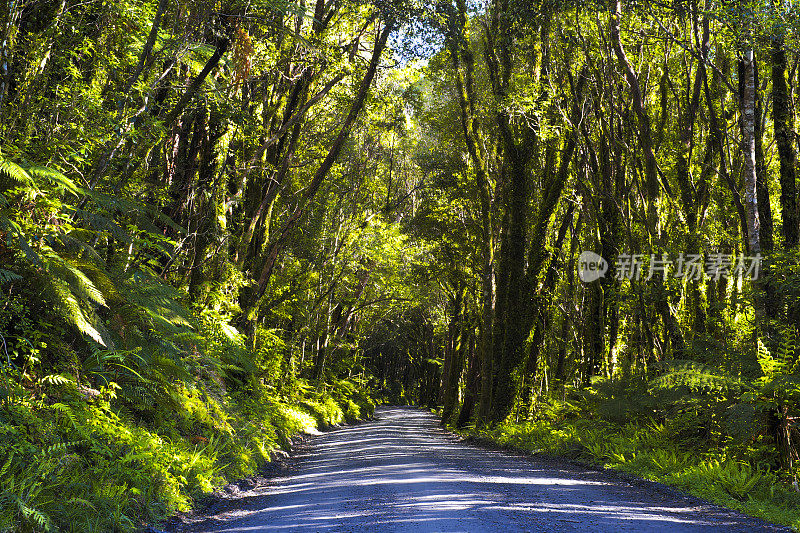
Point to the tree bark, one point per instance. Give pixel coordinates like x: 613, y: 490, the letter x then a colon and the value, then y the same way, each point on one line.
x: 748, y: 110
x: 455, y: 366
x: 784, y: 132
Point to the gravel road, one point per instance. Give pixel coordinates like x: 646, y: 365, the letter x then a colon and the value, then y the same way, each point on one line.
x: 401, y: 472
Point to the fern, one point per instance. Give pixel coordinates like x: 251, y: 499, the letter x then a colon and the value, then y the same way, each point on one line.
x: 80, y: 284
x: 66, y: 410
x: 101, y: 223
x: 13, y: 173
x: 5, y: 468
x: 82, y: 501
x: 21, y: 239
x: 781, y: 379
x: 6, y: 276
x: 57, y: 178
x: 696, y: 377
x: 769, y: 364
x: 787, y: 350
x: 70, y: 309
x: 60, y: 447
x: 55, y: 379
x: 34, y: 516
x: 83, y: 287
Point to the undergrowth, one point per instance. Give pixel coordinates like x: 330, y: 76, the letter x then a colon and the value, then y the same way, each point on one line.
x: 78, y: 465
x: 120, y: 403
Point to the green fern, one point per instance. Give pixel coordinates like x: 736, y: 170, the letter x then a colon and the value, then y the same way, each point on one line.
x: 80, y: 285
x: 69, y: 307
x: 55, y: 379
x: 6, y: 276
x: 11, y: 172
x: 781, y: 379
x: 60, y: 447
x: 696, y: 377
x: 34, y: 516
x: 57, y: 178
x: 7, y: 465
x: 21, y: 239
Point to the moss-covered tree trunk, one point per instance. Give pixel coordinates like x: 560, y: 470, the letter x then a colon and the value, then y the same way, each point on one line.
x: 783, y: 125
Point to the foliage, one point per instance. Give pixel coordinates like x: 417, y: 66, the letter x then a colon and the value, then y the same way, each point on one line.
x: 64, y: 459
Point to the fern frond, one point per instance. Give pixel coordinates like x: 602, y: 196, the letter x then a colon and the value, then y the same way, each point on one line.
x: 66, y: 410
x: 159, y: 304
x: 15, y: 229
x: 55, y: 379
x: 142, y: 214
x: 99, y: 277
x: 170, y: 369
x: 6, y: 276
x: 102, y: 223
x: 82, y: 501
x: 33, y: 515
x: 787, y: 350
x: 769, y: 364
x: 11, y: 172
x: 785, y: 360
x: 5, y: 468
x: 71, y: 311
x: 83, y: 286
x: 696, y: 377
x: 61, y: 447
x: 75, y: 245
x: 56, y: 177
x: 78, y: 282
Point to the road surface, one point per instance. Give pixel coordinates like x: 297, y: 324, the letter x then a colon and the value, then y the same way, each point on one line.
x: 401, y: 472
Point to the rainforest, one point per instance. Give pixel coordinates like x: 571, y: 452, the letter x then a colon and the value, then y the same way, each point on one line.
x: 568, y: 227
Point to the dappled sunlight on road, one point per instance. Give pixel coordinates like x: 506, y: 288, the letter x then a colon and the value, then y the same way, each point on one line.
x: 401, y: 472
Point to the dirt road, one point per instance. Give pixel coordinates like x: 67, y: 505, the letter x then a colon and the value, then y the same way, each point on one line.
x: 401, y: 472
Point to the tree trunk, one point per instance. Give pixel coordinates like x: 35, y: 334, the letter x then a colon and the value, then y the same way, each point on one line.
x: 748, y: 110
x: 333, y: 153
x: 452, y: 378
x: 462, y: 55
x: 784, y: 132
x: 471, y: 389
x: 645, y: 135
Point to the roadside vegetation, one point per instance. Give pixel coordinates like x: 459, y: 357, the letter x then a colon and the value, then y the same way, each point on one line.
x: 163, y: 327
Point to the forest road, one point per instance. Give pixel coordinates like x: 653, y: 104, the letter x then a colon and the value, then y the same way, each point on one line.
x: 401, y: 472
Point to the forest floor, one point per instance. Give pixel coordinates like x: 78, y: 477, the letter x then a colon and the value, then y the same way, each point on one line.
x: 402, y: 472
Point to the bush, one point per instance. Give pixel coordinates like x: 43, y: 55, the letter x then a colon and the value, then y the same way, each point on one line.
x: 325, y: 411
x: 81, y: 464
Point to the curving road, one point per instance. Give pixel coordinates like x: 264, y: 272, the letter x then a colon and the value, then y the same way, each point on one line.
x: 401, y: 472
